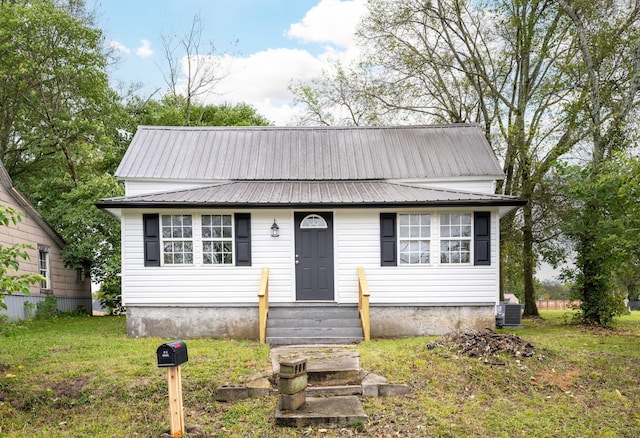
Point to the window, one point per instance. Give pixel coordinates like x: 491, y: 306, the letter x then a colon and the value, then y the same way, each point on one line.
x: 415, y: 234
x: 44, y: 266
x: 177, y: 239
x: 313, y: 221
x: 217, y: 239
x: 455, y: 238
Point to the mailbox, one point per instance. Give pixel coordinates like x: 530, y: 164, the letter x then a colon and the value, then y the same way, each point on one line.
x: 172, y: 354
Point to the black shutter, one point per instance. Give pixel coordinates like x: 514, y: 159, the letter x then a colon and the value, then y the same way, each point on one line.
x: 151, y: 230
x: 482, y: 238
x: 388, y: 240
x: 243, y: 239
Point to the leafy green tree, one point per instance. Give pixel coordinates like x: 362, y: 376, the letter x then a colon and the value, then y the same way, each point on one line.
x: 170, y: 111
x: 10, y: 256
x: 611, y: 231
x: 59, y: 122
x: 608, y: 83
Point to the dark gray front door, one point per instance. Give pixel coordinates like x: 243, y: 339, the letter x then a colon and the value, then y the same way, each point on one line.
x: 314, y: 256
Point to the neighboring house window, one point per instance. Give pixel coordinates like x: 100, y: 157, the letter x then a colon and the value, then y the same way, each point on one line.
x: 217, y: 239
x: 177, y: 239
x: 44, y: 266
x: 455, y: 238
x: 415, y: 235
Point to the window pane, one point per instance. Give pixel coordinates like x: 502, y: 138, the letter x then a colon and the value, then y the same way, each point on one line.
x: 206, y: 232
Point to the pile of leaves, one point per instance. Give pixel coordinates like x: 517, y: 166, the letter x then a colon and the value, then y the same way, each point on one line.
x: 486, y: 343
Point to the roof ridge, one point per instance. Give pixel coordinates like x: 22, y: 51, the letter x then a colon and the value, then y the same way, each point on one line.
x: 306, y: 128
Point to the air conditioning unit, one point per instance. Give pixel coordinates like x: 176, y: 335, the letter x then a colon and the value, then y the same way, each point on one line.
x: 509, y: 315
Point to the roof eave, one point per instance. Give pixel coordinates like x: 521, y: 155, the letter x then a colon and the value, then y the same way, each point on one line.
x: 105, y: 205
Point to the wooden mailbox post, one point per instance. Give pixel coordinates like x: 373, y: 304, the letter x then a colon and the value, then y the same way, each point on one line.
x: 171, y: 355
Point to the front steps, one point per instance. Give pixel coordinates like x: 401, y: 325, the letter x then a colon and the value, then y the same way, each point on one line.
x: 313, y: 323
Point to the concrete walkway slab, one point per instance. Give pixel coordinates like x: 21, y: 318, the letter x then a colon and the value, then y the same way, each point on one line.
x: 324, y: 412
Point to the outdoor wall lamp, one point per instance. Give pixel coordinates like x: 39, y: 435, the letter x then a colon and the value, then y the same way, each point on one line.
x: 275, y: 229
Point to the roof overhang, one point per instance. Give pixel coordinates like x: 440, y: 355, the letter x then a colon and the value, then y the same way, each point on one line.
x: 311, y: 194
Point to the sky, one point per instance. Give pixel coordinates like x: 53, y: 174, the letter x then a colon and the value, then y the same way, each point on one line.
x: 261, y: 46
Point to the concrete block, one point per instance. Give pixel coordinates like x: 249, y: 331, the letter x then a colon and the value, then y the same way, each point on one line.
x: 292, y: 402
x: 389, y: 389
x: 292, y: 367
x: 231, y: 392
x: 288, y: 385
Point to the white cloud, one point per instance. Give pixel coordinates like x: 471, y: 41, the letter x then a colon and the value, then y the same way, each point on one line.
x: 145, y: 50
x: 262, y: 78
x: 330, y: 21
x: 119, y: 47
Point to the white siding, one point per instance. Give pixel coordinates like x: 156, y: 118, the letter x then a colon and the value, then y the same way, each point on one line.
x: 357, y: 243
x: 200, y: 284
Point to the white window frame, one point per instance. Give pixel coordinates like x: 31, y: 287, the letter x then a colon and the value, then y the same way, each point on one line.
x: 414, y: 234
x: 173, y: 238
x: 455, y: 236
x: 227, y: 240
x: 44, y: 266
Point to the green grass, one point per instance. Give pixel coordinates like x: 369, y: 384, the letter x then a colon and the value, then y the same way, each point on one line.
x: 81, y: 376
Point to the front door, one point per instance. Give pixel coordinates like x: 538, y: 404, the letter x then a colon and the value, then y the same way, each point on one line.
x: 314, y: 256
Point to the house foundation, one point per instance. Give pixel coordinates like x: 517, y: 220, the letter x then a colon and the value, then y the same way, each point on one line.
x: 390, y: 321
x: 241, y: 322
x: 236, y: 322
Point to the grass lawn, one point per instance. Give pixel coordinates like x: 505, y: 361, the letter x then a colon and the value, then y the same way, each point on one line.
x: 81, y: 376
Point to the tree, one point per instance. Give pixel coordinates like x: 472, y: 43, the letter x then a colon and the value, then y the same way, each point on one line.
x: 59, y: 121
x: 169, y: 111
x: 193, y: 75
x: 612, y: 232
x: 608, y: 81
x: 10, y: 256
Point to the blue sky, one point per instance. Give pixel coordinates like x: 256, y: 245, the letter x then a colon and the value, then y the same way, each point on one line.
x: 264, y: 45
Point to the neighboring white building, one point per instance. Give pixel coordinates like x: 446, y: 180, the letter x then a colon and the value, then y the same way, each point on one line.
x: 70, y: 286
x: 414, y: 206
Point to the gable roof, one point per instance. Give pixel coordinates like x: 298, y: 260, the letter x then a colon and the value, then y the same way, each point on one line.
x: 309, y: 153
x: 29, y: 209
x: 308, y: 194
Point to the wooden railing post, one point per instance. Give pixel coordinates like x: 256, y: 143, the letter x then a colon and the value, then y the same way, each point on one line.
x: 363, y: 303
x: 263, y: 304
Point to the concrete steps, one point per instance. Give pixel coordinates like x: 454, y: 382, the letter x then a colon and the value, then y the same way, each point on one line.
x: 313, y: 323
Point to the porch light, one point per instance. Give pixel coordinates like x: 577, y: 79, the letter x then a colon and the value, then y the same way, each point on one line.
x: 275, y: 229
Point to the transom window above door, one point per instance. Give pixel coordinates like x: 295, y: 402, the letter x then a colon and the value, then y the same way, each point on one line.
x: 313, y: 221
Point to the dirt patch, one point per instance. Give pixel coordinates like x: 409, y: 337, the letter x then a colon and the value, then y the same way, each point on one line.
x: 70, y: 389
x: 563, y: 379
x: 484, y: 344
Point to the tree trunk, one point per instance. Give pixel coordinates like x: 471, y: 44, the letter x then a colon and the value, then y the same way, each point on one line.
x: 528, y: 258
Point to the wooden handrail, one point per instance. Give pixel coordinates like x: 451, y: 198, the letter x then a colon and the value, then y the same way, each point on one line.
x: 263, y: 304
x: 363, y: 303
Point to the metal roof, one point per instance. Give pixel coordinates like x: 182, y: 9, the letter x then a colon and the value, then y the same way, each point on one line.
x: 309, y: 153
x: 308, y: 193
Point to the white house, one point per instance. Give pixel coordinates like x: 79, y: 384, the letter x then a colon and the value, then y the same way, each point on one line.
x: 207, y: 208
